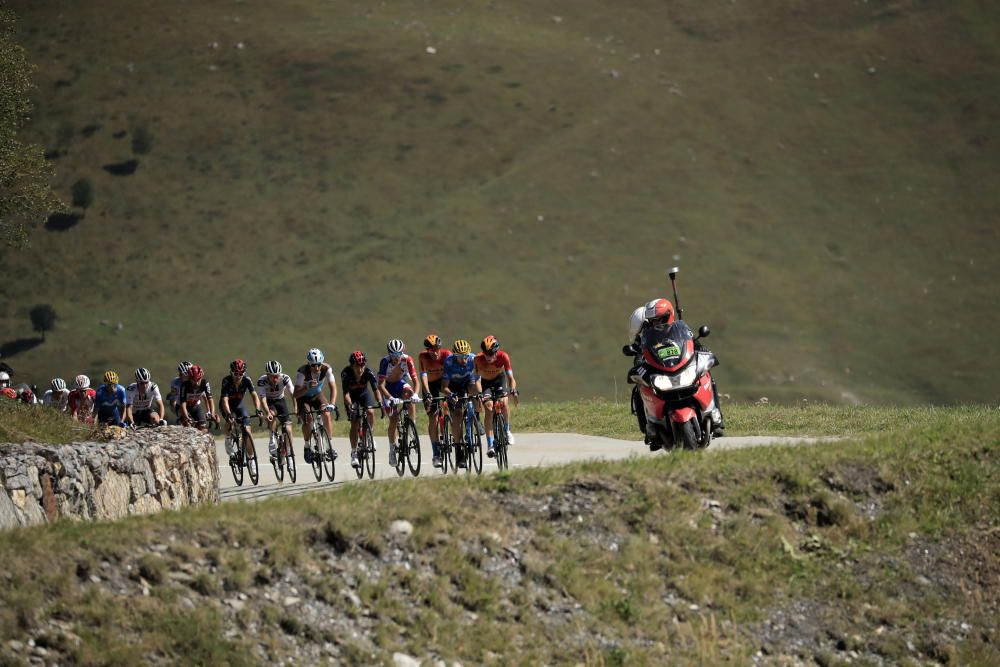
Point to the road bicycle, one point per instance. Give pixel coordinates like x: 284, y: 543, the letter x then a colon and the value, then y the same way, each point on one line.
x: 500, y: 443
x: 408, y: 447
x: 366, y: 441
x: 446, y: 445
x: 284, y: 458
x: 473, y: 441
x: 238, y: 442
x: 323, y: 455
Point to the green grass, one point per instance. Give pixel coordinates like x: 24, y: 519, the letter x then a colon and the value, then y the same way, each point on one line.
x: 674, y: 559
x: 27, y: 423
x: 819, y: 168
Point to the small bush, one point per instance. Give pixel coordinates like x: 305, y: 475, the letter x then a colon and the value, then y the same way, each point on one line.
x: 142, y: 140
x: 83, y: 193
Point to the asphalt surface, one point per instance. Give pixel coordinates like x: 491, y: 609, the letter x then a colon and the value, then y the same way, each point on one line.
x: 531, y: 450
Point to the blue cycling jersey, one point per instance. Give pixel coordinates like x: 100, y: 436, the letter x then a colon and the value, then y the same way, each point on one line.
x: 458, y: 373
x: 111, y: 398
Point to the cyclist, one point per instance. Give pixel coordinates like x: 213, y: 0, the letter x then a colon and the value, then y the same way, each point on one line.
x: 174, y: 395
x: 458, y: 377
x: 494, y: 369
x: 195, y: 391
x: 58, y: 396
x: 234, y: 387
x: 110, y: 401
x: 396, y: 382
x: 144, y: 405
x: 81, y: 400
x: 360, y: 386
x: 272, y: 387
x: 5, y: 389
x: 431, y: 362
x: 309, y: 381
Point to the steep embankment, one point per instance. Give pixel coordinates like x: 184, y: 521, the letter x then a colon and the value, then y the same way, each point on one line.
x: 340, y: 173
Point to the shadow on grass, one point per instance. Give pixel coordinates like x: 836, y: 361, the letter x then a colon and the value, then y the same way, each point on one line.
x: 60, y: 222
x: 13, y: 347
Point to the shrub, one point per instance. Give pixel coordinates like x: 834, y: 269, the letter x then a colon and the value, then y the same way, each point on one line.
x: 83, y: 193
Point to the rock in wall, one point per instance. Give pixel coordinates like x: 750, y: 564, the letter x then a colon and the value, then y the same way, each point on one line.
x: 151, y: 470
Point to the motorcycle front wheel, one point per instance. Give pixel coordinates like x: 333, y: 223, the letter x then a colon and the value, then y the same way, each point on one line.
x: 689, y: 436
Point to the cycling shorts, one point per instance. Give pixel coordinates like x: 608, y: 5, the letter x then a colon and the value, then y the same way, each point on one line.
x: 499, y: 382
x: 435, y: 387
x: 144, y: 417
x: 461, y: 388
x: 241, y: 414
x: 280, y: 408
x: 317, y: 403
x: 196, y: 413
x: 398, y: 388
x: 364, y: 397
x: 108, y: 414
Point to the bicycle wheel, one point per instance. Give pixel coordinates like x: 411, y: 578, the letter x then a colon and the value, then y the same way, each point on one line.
x: 412, y: 448
x: 370, y: 454
x: 476, y: 449
x: 316, y: 441
x: 500, y: 440
x: 446, y: 459
x: 236, y: 460
x: 290, y: 459
x: 329, y: 465
x: 362, y: 449
x: 251, y: 460
x: 401, y: 448
x: 278, y: 461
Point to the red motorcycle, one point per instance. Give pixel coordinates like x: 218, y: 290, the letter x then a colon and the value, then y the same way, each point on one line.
x: 673, y: 376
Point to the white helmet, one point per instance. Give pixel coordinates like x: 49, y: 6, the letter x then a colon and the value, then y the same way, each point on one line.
x: 272, y: 367
x: 395, y: 346
x: 4, y: 379
x: 183, y: 368
x: 142, y: 375
x: 314, y: 356
x: 82, y: 382
x: 636, y: 320
x: 58, y: 385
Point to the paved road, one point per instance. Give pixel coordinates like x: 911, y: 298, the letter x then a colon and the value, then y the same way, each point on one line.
x: 532, y: 449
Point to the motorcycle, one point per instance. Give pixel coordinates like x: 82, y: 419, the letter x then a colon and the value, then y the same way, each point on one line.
x: 672, y: 373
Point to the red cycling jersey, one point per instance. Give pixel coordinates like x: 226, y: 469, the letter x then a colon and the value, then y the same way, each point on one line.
x: 432, y: 363
x: 489, y: 370
x: 81, y: 400
x: 7, y: 392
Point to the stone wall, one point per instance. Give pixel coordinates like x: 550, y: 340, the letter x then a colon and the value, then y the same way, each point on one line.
x: 151, y: 470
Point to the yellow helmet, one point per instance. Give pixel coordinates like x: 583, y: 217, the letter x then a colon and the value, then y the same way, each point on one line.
x: 461, y: 347
x: 111, y: 377
x: 490, y: 344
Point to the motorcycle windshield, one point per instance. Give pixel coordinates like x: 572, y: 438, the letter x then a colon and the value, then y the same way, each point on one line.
x: 669, y: 348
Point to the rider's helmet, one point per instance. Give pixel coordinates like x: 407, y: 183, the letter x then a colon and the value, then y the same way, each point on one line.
x: 636, y: 321
x: 395, y: 348
x: 238, y: 367
x: 195, y: 374
x: 314, y: 356
x: 82, y: 382
x: 273, y: 367
x: 183, y: 368
x: 111, y: 377
x: 461, y: 346
x: 432, y: 341
x: 58, y: 385
x: 142, y: 375
x: 490, y: 345
x: 357, y: 358
x: 4, y: 380
x: 659, y: 312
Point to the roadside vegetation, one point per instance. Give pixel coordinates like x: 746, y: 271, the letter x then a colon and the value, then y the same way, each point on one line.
x: 36, y: 423
x: 877, y: 550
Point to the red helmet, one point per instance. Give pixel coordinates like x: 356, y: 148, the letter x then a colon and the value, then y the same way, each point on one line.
x: 659, y: 311
x: 195, y: 374
x: 357, y: 358
x: 238, y: 367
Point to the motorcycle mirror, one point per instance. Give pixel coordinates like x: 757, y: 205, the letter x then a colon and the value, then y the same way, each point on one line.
x: 673, y: 272
x: 703, y: 331
x: 628, y: 350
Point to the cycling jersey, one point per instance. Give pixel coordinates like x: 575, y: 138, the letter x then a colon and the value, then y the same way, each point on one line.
x: 59, y: 400
x: 7, y: 392
x: 110, y: 397
x: 355, y: 385
x: 192, y: 394
x: 274, y: 391
x: 234, y: 391
x: 143, y: 397
x: 456, y: 373
x: 489, y: 370
x: 174, y: 394
x: 81, y: 401
x: 401, y: 370
x: 432, y: 363
x: 306, y: 374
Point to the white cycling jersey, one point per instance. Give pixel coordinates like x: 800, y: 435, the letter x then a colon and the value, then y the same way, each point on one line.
x: 274, y: 391
x: 143, y: 398
x: 59, y: 401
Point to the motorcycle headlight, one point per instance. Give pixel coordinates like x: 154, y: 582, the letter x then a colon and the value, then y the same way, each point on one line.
x: 687, y: 376
x: 662, y: 383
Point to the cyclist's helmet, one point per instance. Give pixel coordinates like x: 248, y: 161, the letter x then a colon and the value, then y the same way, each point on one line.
x: 461, y: 347
x: 659, y: 312
x: 357, y: 358
x: 490, y: 345
x: 432, y: 341
x: 315, y: 356
x: 395, y: 347
x: 142, y: 375
x: 238, y: 367
x: 183, y: 368
x: 82, y: 382
x: 58, y: 385
x: 273, y: 367
x: 195, y: 374
x: 4, y: 380
x: 111, y: 377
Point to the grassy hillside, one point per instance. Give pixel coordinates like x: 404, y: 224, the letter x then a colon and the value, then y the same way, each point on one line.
x: 882, y: 551
x: 310, y: 173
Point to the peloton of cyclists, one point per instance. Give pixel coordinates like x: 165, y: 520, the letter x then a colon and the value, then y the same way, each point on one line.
x: 431, y: 363
x: 234, y: 387
x: 360, y: 386
x: 144, y: 405
x: 272, y: 386
x: 309, y: 382
x: 493, y: 367
x: 396, y: 381
x: 459, y: 379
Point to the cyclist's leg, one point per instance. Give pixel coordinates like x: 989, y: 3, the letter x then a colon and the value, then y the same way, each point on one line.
x: 431, y: 408
x: 303, y: 403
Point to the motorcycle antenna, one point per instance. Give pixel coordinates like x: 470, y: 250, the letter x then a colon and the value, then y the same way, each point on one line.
x: 673, y: 277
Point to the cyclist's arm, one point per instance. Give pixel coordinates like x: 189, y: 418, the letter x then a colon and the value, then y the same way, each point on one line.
x: 333, y: 386
x: 300, y: 386
x: 444, y: 386
x: 425, y: 385
x: 208, y: 400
